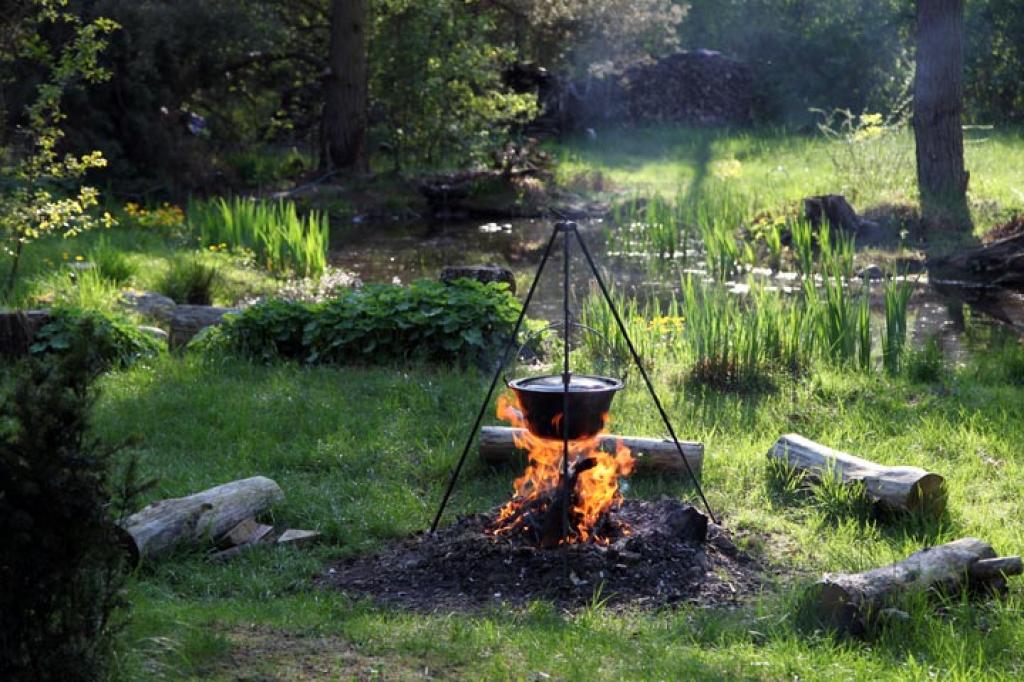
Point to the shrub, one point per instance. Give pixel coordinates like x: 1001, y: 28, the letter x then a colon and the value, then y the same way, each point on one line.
x: 62, y: 566
x: 189, y: 280
x: 430, y: 321
x: 113, y: 265
x: 110, y: 341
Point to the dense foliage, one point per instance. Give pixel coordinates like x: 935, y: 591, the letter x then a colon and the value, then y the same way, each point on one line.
x: 459, y: 322
x: 41, y: 188
x: 110, y: 340
x: 63, y: 565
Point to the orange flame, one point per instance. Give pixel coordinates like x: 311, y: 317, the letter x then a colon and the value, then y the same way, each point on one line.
x: 596, y: 473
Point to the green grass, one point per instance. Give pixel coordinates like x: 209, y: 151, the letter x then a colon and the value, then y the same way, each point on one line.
x: 773, y: 170
x: 363, y: 455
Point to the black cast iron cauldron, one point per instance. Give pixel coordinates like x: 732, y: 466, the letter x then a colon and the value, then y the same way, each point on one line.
x: 590, y: 398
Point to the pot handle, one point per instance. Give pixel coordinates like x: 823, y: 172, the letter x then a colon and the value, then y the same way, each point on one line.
x: 559, y: 325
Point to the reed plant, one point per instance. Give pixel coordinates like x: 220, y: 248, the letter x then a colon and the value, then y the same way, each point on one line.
x: 721, y: 249
x: 773, y: 242
x: 281, y: 240
x: 836, y: 252
x: 802, y: 244
x: 894, y: 336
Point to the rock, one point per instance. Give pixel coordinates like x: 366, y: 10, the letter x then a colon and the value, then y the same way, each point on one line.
x: 871, y: 272
x: 297, y: 538
x: 149, y: 304
x: 481, y: 273
x: 156, y: 332
x: 187, y: 320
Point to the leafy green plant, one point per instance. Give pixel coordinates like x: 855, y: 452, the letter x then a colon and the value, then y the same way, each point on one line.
x: 465, y: 320
x: 189, y: 280
x: 281, y: 240
x: 110, y: 339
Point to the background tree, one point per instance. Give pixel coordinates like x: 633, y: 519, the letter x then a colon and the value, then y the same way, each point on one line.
x: 938, y: 106
x: 343, y: 128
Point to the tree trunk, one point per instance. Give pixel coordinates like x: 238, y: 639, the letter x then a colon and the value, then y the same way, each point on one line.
x: 938, y: 105
x: 202, y: 517
x: 898, y: 488
x: 852, y: 601
x: 653, y: 455
x: 343, y: 126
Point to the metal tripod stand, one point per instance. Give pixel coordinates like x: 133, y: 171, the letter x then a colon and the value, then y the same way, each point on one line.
x: 569, y: 230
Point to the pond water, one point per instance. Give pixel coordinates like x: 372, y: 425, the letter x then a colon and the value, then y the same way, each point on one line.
x: 400, y: 252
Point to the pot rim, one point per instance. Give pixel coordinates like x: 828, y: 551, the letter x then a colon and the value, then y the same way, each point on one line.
x: 610, y: 384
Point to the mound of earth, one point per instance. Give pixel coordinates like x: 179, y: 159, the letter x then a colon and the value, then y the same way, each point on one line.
x: 462, y: 567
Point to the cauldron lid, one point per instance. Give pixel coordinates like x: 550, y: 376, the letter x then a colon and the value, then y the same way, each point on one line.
x: 578, y: 383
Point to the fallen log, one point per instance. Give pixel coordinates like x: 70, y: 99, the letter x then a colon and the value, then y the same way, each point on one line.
x: 852, y: 602
x: 200, y: 518
x: 897, y: 488
x: 653, y: 455
x: 999, y: 263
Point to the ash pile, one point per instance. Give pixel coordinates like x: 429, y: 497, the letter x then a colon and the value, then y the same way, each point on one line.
x: 698, y: 87
x: 658, y: 553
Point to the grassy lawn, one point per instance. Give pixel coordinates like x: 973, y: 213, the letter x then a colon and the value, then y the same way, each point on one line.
x: 773, y: 170
x: 363, y: 454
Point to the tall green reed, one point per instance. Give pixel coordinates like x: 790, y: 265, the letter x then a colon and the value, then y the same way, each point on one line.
x: 281, y: 240
x: 894, y: 336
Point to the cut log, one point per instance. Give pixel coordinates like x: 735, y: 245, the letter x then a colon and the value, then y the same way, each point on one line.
x: 200, y: 518
x: 298, y: 538
x: 851, y: 602
x: 898, y: 488
x: 188, y: 320
x: 653, y: 455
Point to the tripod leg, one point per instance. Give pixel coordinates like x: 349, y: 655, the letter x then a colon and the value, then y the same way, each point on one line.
x: 494, y: 382
x: 643, y: 371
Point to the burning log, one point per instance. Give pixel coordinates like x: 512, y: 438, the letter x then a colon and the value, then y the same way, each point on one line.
x: 653, y: 455
x: 899, y: 488
x: 202, y: 517
x: 852, y: 602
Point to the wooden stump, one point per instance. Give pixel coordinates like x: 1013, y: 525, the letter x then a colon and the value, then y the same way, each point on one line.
x: 898, y: 488
x: 200, y: 518
x: 838, y: 213
x: 852, y: 602
x: 18, y: 329
x: 653, y: 455
x: 1000, y: 263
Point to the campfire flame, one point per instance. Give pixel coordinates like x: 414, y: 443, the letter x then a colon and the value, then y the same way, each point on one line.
x: 536, y: 510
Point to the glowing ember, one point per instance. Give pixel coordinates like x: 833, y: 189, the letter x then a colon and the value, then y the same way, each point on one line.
x: 538, y: 510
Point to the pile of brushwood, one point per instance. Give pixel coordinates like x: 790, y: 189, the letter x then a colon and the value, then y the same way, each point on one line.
x: 698, y: 87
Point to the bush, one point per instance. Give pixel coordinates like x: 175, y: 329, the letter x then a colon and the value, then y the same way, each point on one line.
x: 189, y: 280
x: 113, y: 265
x: 62, y: 566
x: 110, y: 340
x: 376, y: 324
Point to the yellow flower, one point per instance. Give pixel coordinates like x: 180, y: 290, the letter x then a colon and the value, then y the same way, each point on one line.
x: 64, y: 255
x: 79, y: 258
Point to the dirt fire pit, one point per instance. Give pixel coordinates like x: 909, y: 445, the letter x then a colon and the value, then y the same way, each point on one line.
x: 669, y: 556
